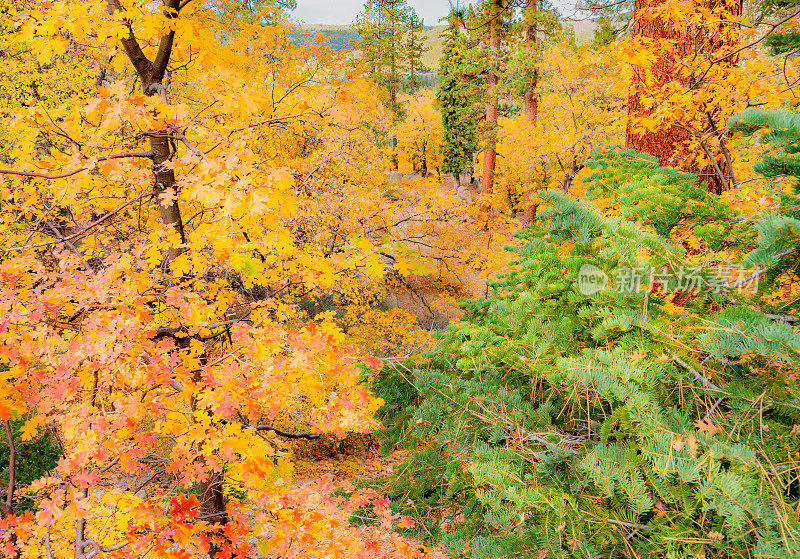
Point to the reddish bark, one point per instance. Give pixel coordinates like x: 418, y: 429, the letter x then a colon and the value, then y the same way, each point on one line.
x: 492, y: 101
x: 670, y: 144
x: 531, y: 112
x: 531, y: 98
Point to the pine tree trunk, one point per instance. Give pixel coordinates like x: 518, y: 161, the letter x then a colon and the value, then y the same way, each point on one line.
x: 668, y: 144
x: 663, y: 144
x: 393, y: 63
x: 531, y: 99
x: 531, y: 112
x: 492, y: 103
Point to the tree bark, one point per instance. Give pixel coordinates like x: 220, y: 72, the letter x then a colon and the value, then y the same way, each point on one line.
x: 151, y: 75
x: 531, y: 111
x: 212, y: 507
x: 7, y: 506
x: 492, y: 101
x: 668, y: 144
x: 531, y: 98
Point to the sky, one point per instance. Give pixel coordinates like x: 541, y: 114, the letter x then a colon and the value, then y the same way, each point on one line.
x: 340, y: 12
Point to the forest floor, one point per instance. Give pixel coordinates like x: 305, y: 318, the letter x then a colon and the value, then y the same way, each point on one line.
x: 347, y: 464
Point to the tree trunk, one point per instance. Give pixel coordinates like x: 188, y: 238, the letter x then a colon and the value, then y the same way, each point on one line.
x: 151, y: 75
x: 668, y: 144
x: 492, y: 102
x: 531, y: 112
x: 531, y: 98
x: 212, y: 507
x: 7, y: 506
x: 166, y: 193
x: 393, y: 63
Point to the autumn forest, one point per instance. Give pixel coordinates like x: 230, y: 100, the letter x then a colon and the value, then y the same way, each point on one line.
x: 483, y: 290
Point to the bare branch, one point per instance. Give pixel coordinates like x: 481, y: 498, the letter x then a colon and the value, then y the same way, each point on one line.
x: 707, y: 383
x: 308, y: 436
x: 30, y: 174
x: 96, y: 548
x: 774, y: 28
x: 783, y: 318
x: 619, y: 523
x: 180, y: 136
x: 48, y: 550
x: 83, y: 232
x: 256, y: 125
x: 80, y: 533
x: 8, y: 506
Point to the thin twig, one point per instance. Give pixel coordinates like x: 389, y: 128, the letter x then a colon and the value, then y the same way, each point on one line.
x: 707, y: 383
x: 83, y: 232
x: 97, y: 548
x: 783, y: 317
x: 47, y: 547
x: 775, y: 26
x: 255, y: 125
x: 12, y: 463
x: 29, y: 174
x: 716, y: 405
x: 632, y: 525
x: 309, y: 436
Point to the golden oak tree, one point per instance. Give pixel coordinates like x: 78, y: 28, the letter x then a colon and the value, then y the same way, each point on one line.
x: 695, y: 63
x: 177, y: 177
x: 581, y: 105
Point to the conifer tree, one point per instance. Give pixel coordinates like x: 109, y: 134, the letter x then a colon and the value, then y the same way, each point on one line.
x: 414, y: 49
x: 578, y: 412
x: 531, y: 98
x: 390, y: 43
x: 494, y: 12
x: 541, y: 25
x: 457, y: 97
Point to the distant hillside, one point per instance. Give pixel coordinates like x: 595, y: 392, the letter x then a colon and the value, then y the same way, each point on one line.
x: 584, y: 31
x: 434, y: 42
x: 341, y: 37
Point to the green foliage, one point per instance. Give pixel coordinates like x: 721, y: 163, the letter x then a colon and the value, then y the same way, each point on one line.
x: 400, y: 397
x: 560, y: 424
x: 786, y: 41
x: 605, y: 33
x: 390, y: 44
x: 33, y: 459
x: 778, y: 232
x: 659, y: 197
x: 781, y: 128
x: 458, y: 96
x: 413, y: 49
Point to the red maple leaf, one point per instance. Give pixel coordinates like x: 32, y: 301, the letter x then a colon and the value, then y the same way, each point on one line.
x: 183, y: 507
x: 373, y: 363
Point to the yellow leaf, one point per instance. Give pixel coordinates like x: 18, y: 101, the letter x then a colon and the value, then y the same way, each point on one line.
x: 30, y: 429
x: 705, y: 426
